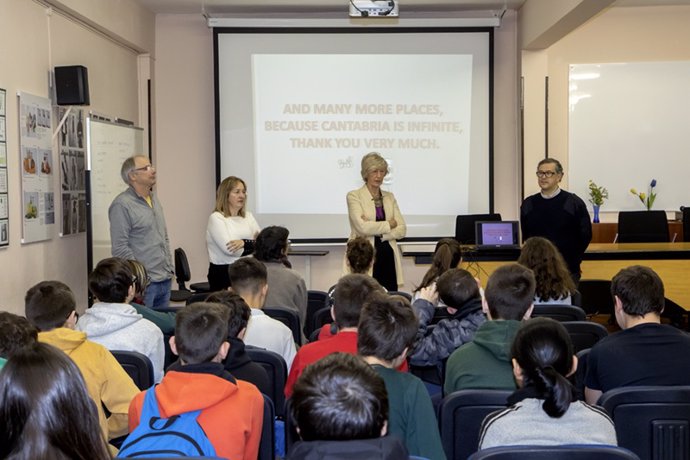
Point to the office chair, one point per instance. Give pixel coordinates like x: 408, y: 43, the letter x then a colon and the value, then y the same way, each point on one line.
x: 643, y: 227
x: 465, y: 232
x: 559, y: 312
x: 137, y: 366
x: 460, y: 418
x: 652, y: 421
x: 571, y: 452
x: 183, y: 274
x: 277, y: 371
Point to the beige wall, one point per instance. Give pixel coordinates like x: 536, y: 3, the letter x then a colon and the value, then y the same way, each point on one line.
x: 28, y: 38
x: 186, y: 148
x: 632, y: 34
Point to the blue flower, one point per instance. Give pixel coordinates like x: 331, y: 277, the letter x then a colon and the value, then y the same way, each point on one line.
x: 653, y: 183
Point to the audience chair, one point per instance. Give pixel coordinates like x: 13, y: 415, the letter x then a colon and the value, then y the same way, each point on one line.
x: 643, y: 227
x: 652, y: 421
x: 288, y: 317
x: 576, y: 298
x: 183, y: 274
x: 570, y: 452
x: 277, y: 371
x: 267, y: 445
x: 407, y: 295
x: 460, y: 417
x: 559, y: 312
x: 578, y: 378
x: 584, y: 334
x: 316, y: 300
x: 596, y: 296
x: 137, y: 366
x: 320, y: 318
x: 291, y: 435
x: 465, y: 229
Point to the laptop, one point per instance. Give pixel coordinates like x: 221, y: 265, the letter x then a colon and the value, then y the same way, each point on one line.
x: 498, y: 236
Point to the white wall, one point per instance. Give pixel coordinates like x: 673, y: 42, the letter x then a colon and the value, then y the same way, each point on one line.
x: 28, y: 38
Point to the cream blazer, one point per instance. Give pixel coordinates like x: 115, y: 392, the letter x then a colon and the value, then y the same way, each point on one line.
x: 362, y: 213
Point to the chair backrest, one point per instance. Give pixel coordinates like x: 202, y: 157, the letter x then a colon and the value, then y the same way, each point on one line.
x: 579, y: 377
x: 573, y: 452
x: 460, y: 417
x: 288, y: 317
x: 316, y: 300
x: 642, y: 227
x: 137, y: 366
x: 465, y: 232
x: 584, y: 334
x: 182, y: 272
x: 407, y: 295
x: 559, y: 312
x: 686, y: 222
x: 267, y: 444
x: 652, y: 421
x: 576, y: 298
x: 320, y: 318
x: 276, y: 368
x: 197, y: 297
x: 291, y: 435
x: 596, y: 296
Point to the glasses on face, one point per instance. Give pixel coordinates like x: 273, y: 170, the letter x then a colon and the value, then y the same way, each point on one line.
x: 543, y: 174
x: 148, y: 167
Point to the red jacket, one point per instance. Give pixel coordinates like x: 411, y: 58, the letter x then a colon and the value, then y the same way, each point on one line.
x: 231, y: 416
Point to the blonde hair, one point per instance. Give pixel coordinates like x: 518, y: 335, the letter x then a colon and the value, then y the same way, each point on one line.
x: 222, y: 205
x: 372, y: 161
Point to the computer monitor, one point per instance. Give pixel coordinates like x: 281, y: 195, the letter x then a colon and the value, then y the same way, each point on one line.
x: 501, y: 235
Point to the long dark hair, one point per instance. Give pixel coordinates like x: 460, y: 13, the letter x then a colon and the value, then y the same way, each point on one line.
x: 550, y: 270
x: 45, y: 409
x: 447, y: 255
x: 271, y: 245
x: 544, y: 351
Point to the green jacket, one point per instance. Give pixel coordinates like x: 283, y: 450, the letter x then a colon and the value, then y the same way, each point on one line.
x: 485, y: 362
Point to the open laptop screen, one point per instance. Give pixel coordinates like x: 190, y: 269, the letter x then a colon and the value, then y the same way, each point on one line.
x: 502, y: 234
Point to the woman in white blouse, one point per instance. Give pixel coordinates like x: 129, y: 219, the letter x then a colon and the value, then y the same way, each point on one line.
x: 230, y: 232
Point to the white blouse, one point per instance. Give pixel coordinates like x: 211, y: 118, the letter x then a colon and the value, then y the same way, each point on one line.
x: 222, y: 229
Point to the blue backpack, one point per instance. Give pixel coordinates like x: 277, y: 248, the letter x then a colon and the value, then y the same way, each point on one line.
x: 180, y: 435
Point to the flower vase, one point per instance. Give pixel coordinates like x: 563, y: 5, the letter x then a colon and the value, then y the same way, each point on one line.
x: 595, y: 208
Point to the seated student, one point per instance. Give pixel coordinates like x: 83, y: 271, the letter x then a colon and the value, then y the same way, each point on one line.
x: 645, y: 352
x: 231, y: 410
x: 113, y: 322
x: 286, y: 287
x: 340, y: 409
x: 50, y: 306
x: 447, y: 255
x: 238, y: 362
x: 248, y: 277
x: 359, y: 257
x: 545, y: 411
x: 554, y: 283
x: 485, y: 361
x: 351, y: 292
x: 164, y: 320
x: 45, y: 409
x: 459, y: 291
x: 386, y: 331
x: 16, y: 333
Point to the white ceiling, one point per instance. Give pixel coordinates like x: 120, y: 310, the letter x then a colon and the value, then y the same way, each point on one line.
x: 297, y: 6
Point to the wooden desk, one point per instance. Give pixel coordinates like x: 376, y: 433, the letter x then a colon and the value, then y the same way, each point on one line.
x: 602, y: 261
x: 605, y: 232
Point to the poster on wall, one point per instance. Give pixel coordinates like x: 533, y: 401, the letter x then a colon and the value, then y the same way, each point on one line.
x: 38, y: 201
x: 72, y: 166
x: 4, y: 205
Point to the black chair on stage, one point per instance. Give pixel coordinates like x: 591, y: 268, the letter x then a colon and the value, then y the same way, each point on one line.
x: 559, y: 312
x: 643, y: 227
x: 572, y: 452
x: 596, y: 296
x: 584, y: 334
x: 183, y: 275
x: 137, y: 366
x: 288, y: 317
x: 460, y: 417
x: 652, y: 421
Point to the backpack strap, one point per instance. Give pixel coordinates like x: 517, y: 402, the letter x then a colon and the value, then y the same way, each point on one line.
x: 151, y: 413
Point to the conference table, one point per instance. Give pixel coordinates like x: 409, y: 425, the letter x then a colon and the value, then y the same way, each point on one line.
x: 601, y: 261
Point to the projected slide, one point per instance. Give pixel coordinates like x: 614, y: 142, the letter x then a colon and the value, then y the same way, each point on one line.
x: 399, y: 105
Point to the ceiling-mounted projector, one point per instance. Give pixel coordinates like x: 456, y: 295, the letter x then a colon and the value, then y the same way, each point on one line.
x: 373, y: 8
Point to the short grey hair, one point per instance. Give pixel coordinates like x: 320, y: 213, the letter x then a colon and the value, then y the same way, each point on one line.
x: 552, y: 161
x: 128, y: 166
x: 372, y: 161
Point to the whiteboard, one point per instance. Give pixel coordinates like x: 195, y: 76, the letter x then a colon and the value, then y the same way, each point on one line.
x: 109, y: 145
x: 629, y: 124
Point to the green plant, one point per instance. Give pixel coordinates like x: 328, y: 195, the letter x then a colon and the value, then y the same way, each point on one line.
x: 597, y: 194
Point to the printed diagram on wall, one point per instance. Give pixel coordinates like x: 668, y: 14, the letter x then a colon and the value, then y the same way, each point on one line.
x: 4, y: 204
x: 38, y: 202
x: 72, y: 167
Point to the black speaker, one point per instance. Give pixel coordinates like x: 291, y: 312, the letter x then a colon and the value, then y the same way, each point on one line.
x: 72, y: 85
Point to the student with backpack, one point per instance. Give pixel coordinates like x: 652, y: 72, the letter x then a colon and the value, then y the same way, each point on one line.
x: 222, y: 415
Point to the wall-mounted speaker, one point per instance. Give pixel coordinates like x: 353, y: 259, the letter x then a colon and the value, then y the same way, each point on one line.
x: 72, y: 85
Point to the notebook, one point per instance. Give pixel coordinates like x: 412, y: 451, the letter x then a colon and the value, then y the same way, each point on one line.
x: 497, y: 235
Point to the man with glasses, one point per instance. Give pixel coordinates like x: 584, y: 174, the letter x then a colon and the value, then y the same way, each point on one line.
x: 138, y: 230
x: 558, y: 216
